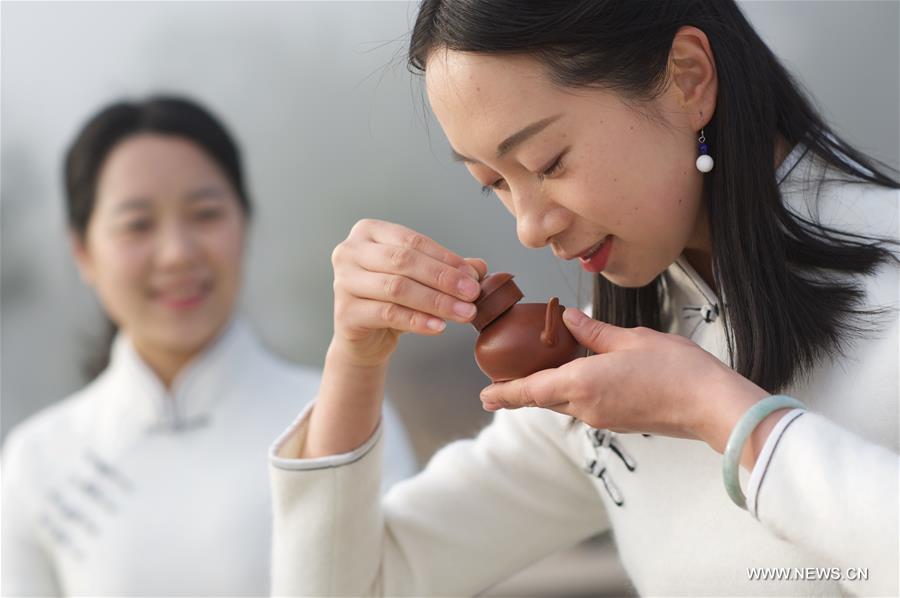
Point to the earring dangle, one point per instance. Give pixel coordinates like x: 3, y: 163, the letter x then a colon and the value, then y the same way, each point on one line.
x: 704, y: 160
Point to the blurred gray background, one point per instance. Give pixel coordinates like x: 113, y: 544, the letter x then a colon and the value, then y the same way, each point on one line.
x: 333, y: 128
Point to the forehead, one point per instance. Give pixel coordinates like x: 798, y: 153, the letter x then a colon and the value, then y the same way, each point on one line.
x: 154, y: 163
x: 481, y: 99
x: 485, y: 89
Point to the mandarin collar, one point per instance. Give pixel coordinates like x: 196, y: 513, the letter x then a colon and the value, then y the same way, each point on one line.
x: 694, y: 309
x: 142, y: 397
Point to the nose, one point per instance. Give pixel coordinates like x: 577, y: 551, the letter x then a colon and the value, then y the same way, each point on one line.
x: 176, y: 246
x: 538, y: 220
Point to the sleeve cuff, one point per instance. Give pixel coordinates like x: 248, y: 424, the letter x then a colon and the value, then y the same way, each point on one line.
x: 765, y: 456
x: 295, y: 436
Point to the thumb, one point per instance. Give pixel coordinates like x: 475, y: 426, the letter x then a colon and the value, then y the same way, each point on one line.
x: 599, y: 337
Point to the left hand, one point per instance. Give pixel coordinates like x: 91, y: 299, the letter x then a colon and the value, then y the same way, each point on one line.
x: 640, y: 380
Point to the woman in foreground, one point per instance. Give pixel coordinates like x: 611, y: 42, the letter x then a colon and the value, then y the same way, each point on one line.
x: 745, y: 304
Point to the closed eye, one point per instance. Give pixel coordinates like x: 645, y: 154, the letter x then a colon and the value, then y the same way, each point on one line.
x: 553, y: 169
x: 209, y: 214
x: 139, y: 226
x: 498, y: 185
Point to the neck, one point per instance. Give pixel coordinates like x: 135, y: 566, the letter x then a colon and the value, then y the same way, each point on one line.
x: 698, y: 251
x: 165, y: 363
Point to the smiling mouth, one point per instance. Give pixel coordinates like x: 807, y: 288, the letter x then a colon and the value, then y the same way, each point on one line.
x: 588, y: 253
x: 596, y: 258
x: 183, y: 297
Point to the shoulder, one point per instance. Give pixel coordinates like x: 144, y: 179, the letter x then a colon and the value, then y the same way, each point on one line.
x: 54, y: 430
x: 820, y: 193
x: 280, y: 380
x: 285, y: 372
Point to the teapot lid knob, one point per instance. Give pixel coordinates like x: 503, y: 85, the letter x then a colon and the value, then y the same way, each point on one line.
x: 498, y: 294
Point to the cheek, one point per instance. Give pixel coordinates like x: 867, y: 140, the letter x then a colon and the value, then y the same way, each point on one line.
x: 225, y: 249
x: 656, y: 194
x: 671, y: 173
x: 122, y: 271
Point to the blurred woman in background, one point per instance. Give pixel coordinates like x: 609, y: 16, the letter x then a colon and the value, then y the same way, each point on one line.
x: 152, y: 479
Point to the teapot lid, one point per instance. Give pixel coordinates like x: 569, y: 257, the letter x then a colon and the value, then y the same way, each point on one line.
x: 498, y: 294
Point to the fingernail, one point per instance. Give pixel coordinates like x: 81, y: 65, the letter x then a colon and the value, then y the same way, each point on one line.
x: 463, y: 310
x: 435, y: 324
x: 468, y: 287
x: 574, y: 316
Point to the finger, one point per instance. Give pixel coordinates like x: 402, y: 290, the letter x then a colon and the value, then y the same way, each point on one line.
x: 479, y: 265
x: 389, y: 233
x: 394, y: 288
x: 420, y: 267
x: 547, y: 388
x: 597, y: 336
x: 377, y: 315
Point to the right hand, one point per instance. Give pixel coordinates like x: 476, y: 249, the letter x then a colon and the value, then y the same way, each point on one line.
x: 389, y: 279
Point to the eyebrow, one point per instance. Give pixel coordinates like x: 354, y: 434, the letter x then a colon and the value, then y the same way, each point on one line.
x: 143, y: 203
x: 510, y: 143
x: 132, y: 204
x: 205, y: 192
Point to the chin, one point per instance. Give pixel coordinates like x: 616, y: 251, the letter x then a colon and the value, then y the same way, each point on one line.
x: 191, y: 335
x: 628, y: 281
x: 635, y: 276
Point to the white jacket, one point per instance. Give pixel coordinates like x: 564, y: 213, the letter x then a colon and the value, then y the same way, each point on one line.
x: 823, y: 494
x: 124, y: 489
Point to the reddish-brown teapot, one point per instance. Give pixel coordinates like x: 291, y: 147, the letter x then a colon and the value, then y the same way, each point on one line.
x: 519, y: 339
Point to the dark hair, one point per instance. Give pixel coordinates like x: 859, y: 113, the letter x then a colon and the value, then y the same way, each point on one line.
x: 763, y: 255
x: 119, y: 121
x: 114, y: 124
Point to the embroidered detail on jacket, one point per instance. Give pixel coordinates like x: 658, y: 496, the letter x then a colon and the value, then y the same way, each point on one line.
x: 707, y: 313
x: 60, y: 537
x: 604, y: 443
x: 108, y: 471
x: 76, y: 509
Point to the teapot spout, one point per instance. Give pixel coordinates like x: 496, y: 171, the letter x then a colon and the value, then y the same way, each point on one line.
x: 550, y: 334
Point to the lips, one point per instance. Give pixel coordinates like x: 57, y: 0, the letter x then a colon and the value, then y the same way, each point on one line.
x: 181, y: 297
x: 590, y: 251
x: 596, y: 257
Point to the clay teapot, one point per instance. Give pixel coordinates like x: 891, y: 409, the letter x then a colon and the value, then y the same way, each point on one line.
x: 519, y: 339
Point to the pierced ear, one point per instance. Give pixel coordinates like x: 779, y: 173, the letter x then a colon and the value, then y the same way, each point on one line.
x: 693, y: 72
x: 82, y: 257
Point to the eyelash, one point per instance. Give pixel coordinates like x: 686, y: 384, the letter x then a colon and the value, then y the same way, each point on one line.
x: 138, y: 226
x: 145, y: 224
x: 208, y: 214
x: 552, y: 169
x: 549, y: 171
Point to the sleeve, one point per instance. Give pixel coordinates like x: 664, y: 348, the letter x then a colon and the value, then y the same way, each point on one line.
x: 831, y: 487
x: 828, y: 486
x: 399, y: 457
x: 836, y: 495
x: 481, y: 510
x: 27, y: 569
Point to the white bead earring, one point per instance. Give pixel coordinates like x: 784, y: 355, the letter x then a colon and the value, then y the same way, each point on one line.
x: 704, y: 160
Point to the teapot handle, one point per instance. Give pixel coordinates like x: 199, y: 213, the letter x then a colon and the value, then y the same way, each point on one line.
x: 550, y: 336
